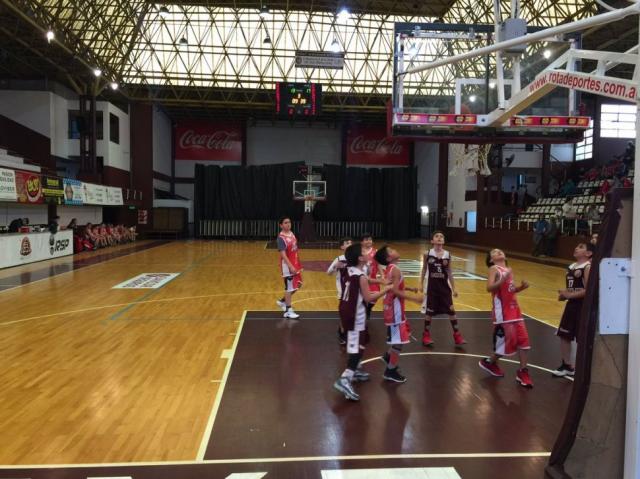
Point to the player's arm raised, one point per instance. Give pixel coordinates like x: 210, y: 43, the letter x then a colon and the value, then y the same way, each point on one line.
x: 367, y: 295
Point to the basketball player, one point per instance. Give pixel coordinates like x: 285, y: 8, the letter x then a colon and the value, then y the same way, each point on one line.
x: 510, y: 334
x: 398, y: 329
x: 439, y: 288
x: 289, y: 267
x: 355, y: 295
x: 339, y: 268
x: 577, y: 278
x: 371, y: 268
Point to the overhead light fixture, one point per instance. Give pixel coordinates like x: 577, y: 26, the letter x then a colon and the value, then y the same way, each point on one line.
x: 343, y: 14
x: 267, y: 40
x: 413, y: 50
x: 335, y: 46
x: 50, y: 35
x: 113, y: 85
x: 492, y: 85
x: 97, y: 72
x: 546, y: 53
x: 164, y: 12
x: 424, y: 209
x: 472, y: 98
x: 264, y: 12
x: 184, y: 42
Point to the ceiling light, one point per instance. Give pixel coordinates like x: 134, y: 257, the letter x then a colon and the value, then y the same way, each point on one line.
x: 184, y: 42
x: 164, y: 12
x: 335, y: 46
x: 264, y: 12
x: 472, y: 98
x: 343, y: 14
x: 50, y: 36
x: 546, y: 53
x: 97, y: 72
x: 413, y: 50
x: 113, y: 85
x: 492, y: 85
x: 267, y: 40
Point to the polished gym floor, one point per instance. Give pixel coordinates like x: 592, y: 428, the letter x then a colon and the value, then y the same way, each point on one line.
x: 201, y: 377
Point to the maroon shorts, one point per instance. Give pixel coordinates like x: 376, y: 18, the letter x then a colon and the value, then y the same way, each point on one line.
x: 439, y: 304
x: 568, y: 328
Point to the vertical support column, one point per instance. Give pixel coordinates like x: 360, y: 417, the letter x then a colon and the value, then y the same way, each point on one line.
x: 546, y: 169
x: 571, y: 66
x: 497, y: 17
x: 400, y: 80
x: 632, y: 432
x: 443, y: 183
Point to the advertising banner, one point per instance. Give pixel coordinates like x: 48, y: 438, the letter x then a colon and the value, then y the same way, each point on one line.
x: 29, y: 187
x: 94, y: 194
x: 72, y: 192
x: 8, y: 185
x: 207, y: 141
x: 16, y: 249
x: 52, y: 189
x: 147, y: 281
x: 371, y: 146
x: 114, y: 196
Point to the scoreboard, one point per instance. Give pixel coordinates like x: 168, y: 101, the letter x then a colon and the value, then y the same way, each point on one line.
x: 298, y: 99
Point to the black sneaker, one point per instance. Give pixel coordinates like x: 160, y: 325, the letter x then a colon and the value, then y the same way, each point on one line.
x: 393, y: 375
x: 342, y: 337
x: 563, y: 370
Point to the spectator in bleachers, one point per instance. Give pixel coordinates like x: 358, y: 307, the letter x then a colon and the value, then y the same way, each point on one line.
x: 592, y: 215
x: 594, y: 239
x: 551, y: 237
x: 539, y: 231
x: 569, y: 188
x: 569, y: 214
x: 605, y: 186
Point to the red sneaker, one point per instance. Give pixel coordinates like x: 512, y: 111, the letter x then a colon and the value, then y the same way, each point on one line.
x: 458, y: 339
x: 491, y: 368
x: 426, y: 339
x: 522, y: 377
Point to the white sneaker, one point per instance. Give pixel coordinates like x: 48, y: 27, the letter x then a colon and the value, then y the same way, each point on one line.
x: 291, y: 314
x: 282, y: 305
x: 344, y: 386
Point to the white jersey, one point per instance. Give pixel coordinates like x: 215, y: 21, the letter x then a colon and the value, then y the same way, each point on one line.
x: 340, y: 273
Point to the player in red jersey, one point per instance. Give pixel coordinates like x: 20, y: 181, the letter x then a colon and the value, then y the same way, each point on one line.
x: 339, y: 268
x: 510, y: 334
x: 398, y: 329
x: 353, y: 314
x: 290, y: 267
x: 371, y: 268
x: 576, y: 281
x: 439, y: 288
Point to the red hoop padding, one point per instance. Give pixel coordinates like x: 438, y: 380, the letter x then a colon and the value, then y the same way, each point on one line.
x: 310, y: 198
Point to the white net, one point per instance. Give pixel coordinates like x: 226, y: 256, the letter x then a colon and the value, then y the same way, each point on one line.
x: 470, y: 160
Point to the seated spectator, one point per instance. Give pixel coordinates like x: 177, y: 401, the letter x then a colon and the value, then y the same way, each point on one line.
x: 604, y: 187
x: 627, y: 183
x: 73, y: 224
x: 53, y: 225
x: 569, y: 215
x: 551, y: 237
x: 592, y: 215
x: 18, y: 223
x: 569, y: 188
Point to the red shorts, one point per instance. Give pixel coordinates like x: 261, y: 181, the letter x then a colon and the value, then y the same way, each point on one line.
x: 509, y: 337
x: 292, y: 283
x: 399, y: 333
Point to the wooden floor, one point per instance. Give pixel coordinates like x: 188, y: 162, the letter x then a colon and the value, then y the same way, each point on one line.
x: 92, y: 374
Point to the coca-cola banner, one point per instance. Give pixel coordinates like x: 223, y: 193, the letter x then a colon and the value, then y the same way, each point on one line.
x: 207, y: 141
x: 372, y: 146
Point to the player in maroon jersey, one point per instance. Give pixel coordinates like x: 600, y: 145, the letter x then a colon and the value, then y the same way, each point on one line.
x: 290, y: 267
x: 339, y: 268
x: 510, y: 334
x: 398, y: 329
x: 576, y: 281
x: 439, y: 288
x: 355, y: 296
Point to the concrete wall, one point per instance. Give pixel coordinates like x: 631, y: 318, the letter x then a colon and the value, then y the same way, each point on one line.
x: 83, y: 214
x: 37, y: 214
x: 29, y: 108
x: 162, y: 147
x: 426, y: 161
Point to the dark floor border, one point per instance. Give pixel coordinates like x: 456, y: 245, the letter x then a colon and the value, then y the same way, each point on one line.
x: 27, y: 277
x: 556, y: 262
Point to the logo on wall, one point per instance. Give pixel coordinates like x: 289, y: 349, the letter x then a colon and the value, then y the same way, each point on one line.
x: 372, y: 146
x: 29, y: 187
x: 25, y: 247
x: 206, y: 141
x: 57, y: 245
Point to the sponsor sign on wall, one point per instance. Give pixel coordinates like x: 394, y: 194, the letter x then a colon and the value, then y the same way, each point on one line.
x: 372, y: 146
x: 72, y: 192
x: 208, y: 141
x: 94, y: 194
x: 114, y: 196
x: 143, y: 217
x: 147, y: 281
x: 52, y: 189
x: 29, y: 187
x: 25, y: 248
x: 8, y: 185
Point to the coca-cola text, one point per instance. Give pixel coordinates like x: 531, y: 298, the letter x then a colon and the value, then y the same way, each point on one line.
x: 218, y: 140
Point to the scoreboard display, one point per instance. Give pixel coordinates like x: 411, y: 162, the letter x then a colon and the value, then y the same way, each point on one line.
x: 298, y: 99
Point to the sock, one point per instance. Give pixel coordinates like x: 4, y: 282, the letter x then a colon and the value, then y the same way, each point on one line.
x: 394, y: 358
x: 347, y: 373
x: 282, y: 299
x: 427, y: 324
x: 454, y: 325
x: 288, y: 307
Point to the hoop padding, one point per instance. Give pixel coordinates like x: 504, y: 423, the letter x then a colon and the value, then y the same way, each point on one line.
x: 470, y: 159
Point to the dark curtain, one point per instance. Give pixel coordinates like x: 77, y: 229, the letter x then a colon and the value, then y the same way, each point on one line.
x: 372, y: 194
x: 246, y: 193
x: 353, y: 194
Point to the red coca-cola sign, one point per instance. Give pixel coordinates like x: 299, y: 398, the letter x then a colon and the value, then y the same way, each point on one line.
x: 372, y: 146
x: 207, y: 141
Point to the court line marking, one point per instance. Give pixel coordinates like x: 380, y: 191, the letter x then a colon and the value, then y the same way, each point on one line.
x: 206, y: 437
x: 361, y: 457
x: 315, y: 297
x: 160, y: 300
x: 436, y: 353
x: 80, y: 269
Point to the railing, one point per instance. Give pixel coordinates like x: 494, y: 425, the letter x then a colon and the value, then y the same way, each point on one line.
x: 570, y: 227
x: 258, y: 229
